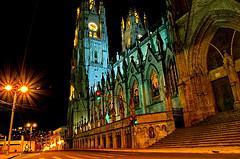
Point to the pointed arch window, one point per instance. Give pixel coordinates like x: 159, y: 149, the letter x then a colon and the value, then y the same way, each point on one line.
x: 154, y: 85
x: 120, y: 103
x: 135, y: 94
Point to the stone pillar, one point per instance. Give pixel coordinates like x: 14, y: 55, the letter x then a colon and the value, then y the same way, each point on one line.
x: 89, y: 142
x: 92, y: 142
x: 73, y: 143
x: 184, y: 92
x: 96, y: 141
x: 134, y: 135
x: 114, y: 139
x: 107, y: 141
x: 101, y: 140
x: 85, y: 143
x: 236, y: 94
x: 209, y: 100
x: 229, y: 66
x: 123, y: 139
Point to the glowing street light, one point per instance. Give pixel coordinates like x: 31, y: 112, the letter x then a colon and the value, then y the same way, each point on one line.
x: 22, y: 89
x: 8, y: 87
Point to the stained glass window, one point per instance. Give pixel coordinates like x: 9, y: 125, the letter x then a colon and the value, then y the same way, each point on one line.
x: 154, y: 84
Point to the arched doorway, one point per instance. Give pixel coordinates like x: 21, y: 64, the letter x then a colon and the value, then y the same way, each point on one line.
x: 225, y: 40
x: 199, y: 91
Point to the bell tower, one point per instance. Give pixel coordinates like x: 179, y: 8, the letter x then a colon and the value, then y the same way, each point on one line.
x: 91, y: 41
x: 132, y: 28
x: 89, y: 61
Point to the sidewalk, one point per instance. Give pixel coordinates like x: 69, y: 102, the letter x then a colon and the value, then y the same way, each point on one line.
x: 208, y: 150
x: 11, y: 155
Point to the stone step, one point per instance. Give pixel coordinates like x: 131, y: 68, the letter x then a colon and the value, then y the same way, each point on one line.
x: 217, y: 123
x: 204, y: 140
x: 196, y: 145
x: 230, y: 127
x: 221, y: 117
x: 237, y: 122
x: 230, y: 140
x: 220, y: 133
x: 182, y: 135
x: 236, y: 136
x: 222, y: 129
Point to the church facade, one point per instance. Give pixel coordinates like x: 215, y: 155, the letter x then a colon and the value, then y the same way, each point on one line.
x: 176, y: 75
x: 207, y: 56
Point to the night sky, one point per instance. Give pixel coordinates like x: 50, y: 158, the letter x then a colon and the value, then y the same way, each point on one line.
x: 41, y: 32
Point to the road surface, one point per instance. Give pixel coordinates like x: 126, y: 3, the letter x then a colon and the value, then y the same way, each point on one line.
x: 121, y: 155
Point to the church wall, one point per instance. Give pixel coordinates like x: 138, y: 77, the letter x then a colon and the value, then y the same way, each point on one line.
x: 150, y: 129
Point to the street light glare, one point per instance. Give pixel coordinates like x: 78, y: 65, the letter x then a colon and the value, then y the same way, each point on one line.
x: 24, y: 89
x: 28, y: 124
x: 8, y: 87
x: 34, y: 125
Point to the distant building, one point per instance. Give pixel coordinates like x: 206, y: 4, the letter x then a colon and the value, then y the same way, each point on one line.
x: 184, y: 71
x: 54, y: 140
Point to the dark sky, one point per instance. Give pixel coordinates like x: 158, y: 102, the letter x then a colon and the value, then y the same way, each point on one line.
x: 42, y: 31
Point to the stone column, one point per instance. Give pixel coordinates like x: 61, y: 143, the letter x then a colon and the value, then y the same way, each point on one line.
x: 184, y: 96
x: 73, y: 144
x: 82, y: 140
x: 107, y: 141
x: 236, y: 94
x: 81, y: 143
x: 114, y: 137
x: 134, y: 135
x: 93, y: 142
x: 123, y: 139
x: 89, y: 142
x: 86, y: 143
x: 96, y: 141
x: 101, y: 140
x: 229, y: 66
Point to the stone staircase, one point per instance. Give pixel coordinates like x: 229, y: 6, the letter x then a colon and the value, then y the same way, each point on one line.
x: 222, y: 129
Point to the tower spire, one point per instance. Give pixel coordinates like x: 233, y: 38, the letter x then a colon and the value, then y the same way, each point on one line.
x: 91, y: 4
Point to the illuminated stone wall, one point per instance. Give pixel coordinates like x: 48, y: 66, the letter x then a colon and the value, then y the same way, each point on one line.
x: 195, y: 80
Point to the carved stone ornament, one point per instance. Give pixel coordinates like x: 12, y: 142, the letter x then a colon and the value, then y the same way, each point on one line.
x: 149, y: 58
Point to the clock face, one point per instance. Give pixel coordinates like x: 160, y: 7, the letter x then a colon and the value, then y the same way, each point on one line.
x: 92, y: 26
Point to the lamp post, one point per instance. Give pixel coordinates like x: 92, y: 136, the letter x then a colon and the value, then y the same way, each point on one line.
x: 22, y: 89
x: 31, y: 126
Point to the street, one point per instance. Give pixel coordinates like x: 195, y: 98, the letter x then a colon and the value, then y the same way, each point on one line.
x: 121, y: 155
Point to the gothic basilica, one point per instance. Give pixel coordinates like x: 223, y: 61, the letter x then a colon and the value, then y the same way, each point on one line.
x: 173, y: 76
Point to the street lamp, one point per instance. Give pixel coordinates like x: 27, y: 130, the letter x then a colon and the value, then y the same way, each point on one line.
x: 31, y: 126
x: 22, y: 89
